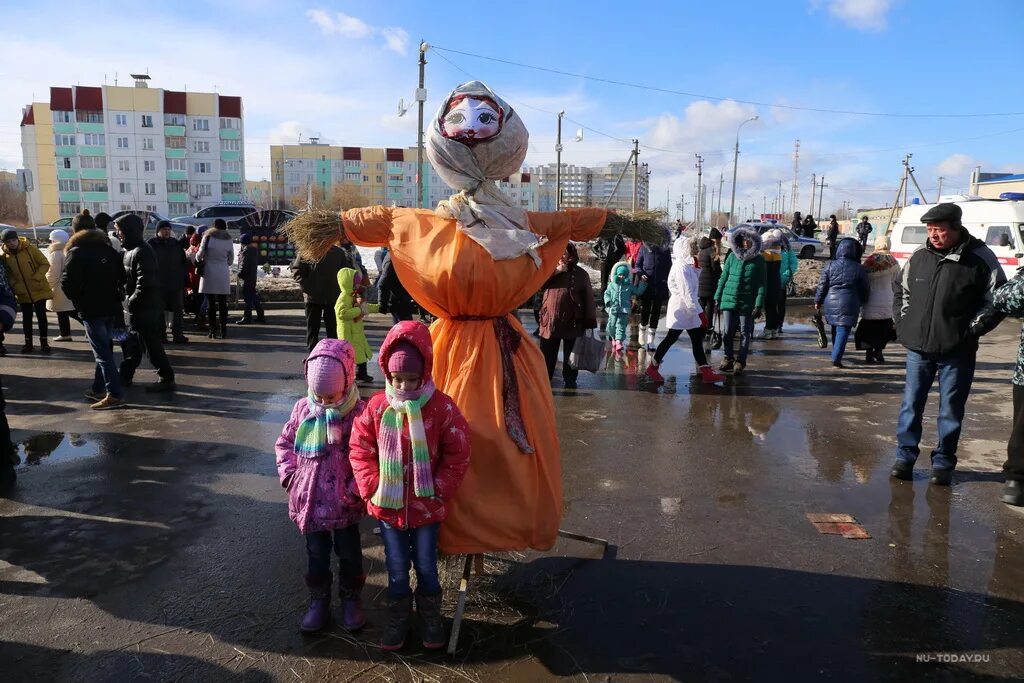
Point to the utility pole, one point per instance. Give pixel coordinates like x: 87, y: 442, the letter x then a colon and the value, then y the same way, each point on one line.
x: 821, y: 194
x: 721, y: 184
x: 795, y: 198
x: 778, y: 205
x: 558, y: 161
x: 636, y: 171
x: 421, y: 99
x: 814, y: 187
x: 700, y: 190
x: 735, y: 162
x: 906, y: 177
x: 939, y: 196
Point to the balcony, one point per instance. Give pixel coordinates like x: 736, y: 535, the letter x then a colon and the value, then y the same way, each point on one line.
x: 65, y: 150
x: 64, y: 128
x: 177, y: 196
x: 69, y: 196
x: 231, y: 197
x: 177, y: 175
x: 172, y: 153
x: 91, y: 128
x: 92, y: 151
x: 67, y: 174
x: 230, y: 177
x: 230, y: 133
x: 95, y: 197
x: 229, y: 156
x: 174, y: 131
x: 94, y: 174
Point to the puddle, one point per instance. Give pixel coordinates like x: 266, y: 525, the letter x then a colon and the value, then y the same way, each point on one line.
x: 55, y: 447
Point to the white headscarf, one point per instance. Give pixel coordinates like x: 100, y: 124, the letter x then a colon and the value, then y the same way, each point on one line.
x: 482, y: 211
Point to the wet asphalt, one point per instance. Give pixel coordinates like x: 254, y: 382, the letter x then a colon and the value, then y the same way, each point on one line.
x: 154, y: 543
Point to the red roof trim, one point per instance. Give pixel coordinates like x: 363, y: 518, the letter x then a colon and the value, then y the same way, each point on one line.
x: 229, y: 107
x: 174, y: 102
x: 351, y: 154
x: 61, y: 99
x: 88, y: 98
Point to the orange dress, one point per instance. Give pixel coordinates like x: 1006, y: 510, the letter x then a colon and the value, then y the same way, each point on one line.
x: 510, y: 499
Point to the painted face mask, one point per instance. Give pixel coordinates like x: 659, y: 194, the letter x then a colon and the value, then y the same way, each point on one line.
x: 471, y: 120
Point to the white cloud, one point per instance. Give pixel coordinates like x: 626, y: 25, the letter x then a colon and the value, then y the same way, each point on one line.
x: 863, y: 15
x: 956, y: 165
x: 395, y: 39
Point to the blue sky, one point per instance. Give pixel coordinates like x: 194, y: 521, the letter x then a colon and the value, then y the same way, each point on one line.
x: 338, y: 68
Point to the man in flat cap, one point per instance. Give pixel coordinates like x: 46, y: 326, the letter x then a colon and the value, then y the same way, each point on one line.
x: 943, y: 304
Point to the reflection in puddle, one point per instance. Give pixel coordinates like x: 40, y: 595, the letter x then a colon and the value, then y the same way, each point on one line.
x: 671, y: 506
x: 55, y: 447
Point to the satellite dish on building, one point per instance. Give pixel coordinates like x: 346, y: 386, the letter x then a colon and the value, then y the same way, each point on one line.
x: 579, y: 135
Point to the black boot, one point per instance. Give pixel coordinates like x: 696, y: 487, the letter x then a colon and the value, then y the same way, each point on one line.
x: 902, y: 470
x: 942, y: 477
x: 869, y: 356
x: 1013, y: 493
x: 393, y: 637
x: 431, y: 622
x: 879, y: 358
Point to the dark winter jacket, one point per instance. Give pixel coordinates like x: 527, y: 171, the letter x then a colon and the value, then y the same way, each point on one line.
x: 944, y: 301
x: 610, y: 248
x: 93, y: 275
x: 8, y: 304
x: 170, y: 258
x: 319, y: 281
x: 843, y: 287
x: 568, y: 309
x: 710, y: 268
x: 391, y: 293
x: 810, y: 225
x: 741, y: 287
x: 250, y: 257
x: 833, y: 233
x: 655, y: 262
x: 864, y: 228
x: 1009, y: 300
x: 142, y: 285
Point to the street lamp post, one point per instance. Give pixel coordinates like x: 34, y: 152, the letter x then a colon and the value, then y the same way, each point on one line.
x: 558, y: 162
x: 735, y: 162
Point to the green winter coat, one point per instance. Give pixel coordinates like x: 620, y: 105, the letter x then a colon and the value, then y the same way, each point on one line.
x: 26, y: 271
x: 744, y: 275
x: 350, y: 315
x: 790, y: 265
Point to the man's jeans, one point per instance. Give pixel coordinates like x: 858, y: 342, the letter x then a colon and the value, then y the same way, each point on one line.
x: 733, y: 321
x: 100, y: 332
x: 955, y: 373
x: 411, y: 546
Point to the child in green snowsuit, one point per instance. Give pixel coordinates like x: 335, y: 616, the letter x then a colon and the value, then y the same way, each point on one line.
x: 350, y: 310
x: 618, y: 302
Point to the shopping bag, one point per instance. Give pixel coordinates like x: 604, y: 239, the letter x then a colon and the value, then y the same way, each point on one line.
x: 716, y: 332
x: 588, y: 353
x: 819, y: 326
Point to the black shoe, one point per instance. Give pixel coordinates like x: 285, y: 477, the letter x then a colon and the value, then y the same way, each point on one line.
x: 364, y: 379
x: 397, y: 625
x: 7, y: 478
x: 126, y: 381
x: 3, y: 350
x: 260, y: 319
x: 738, y: 368
x: 213, y: 334
x: 180, y: 340
x: 869, y: 357
x: 1013, y: 493
x: 428, y: 608
x: 727, y: 365
x: 161, y: 386
x: 570, y: 384
x: 44, y: 347
x: 902, y: 470
x: 942, y: 477
x: 879, y: 358
x: 837, y: 364
x: 28, y: 348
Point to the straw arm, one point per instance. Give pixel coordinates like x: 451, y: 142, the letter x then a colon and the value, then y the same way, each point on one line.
x: 314, y: 232
x: 646, y: 226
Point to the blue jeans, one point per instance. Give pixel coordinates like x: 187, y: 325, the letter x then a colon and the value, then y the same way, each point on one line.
x: 840, y: 335
x: 411, y: 546
x: 346, y: 545
x: 733, y: 321
x: 100, y: 332
x: 955, y: 373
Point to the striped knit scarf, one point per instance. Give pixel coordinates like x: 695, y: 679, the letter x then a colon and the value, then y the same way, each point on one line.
x: 390, y: 492
x: 324, y: 425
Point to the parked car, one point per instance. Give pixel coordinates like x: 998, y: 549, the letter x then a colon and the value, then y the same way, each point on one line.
x: 274, y: 248
x: 228, y: 212
x: 44, y: 230
x: 805, y: 247
x: 150, y: 219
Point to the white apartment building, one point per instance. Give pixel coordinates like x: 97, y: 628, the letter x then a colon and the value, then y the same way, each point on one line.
x: 111, y: 148
x: 590, y: 186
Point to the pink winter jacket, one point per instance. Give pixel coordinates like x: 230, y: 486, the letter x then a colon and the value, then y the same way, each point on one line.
x: 322, y: 493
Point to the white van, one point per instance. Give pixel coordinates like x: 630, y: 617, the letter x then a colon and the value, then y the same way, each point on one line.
x: 999, y: 223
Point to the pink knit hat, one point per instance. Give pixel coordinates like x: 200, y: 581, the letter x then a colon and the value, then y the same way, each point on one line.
x: 325, y: 376
x: 405, y: 357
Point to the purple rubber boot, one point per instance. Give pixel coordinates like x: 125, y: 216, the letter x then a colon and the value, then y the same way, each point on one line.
x: 319, y: 613
x: 353, y: 617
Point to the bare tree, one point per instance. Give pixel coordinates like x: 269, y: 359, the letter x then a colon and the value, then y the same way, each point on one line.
x: 13, y: 208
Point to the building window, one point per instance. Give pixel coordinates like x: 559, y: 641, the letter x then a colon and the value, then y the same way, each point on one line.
x: 147, y: 121
x: 231, y: 188
x: 200, y: 146
x: 177, y: 186
x: 149, y: 166
x: 67, y: 161
x: 366, y: 178
x: 124, y: 165
x: 380, y: 179
x: 121, y: 119
x: 151, y: 207
x: 93, y: 162
x: 204, y: 190
x: 149, y: 188
x: 175, y: 142
x: 94, y: 186
x: 174, y: 119
x: 64, y: 140
x: 147, y: 143
x: 126, y: 207
x: 94, y: 139
x: 230, y: 145
x: 89, y: 116
x: 68, y: 208
x: 68, y: 185
x: 177, y: 165
x: 62, y: 117
x: 228, y: 123
x: 200, y: 124
x: 203, y: 167
x: 177, y: 208
x: 124, y: 188
x: 231, y: 167
x: 122, y: 143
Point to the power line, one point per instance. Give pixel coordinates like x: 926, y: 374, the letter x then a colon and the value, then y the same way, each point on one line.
x: 684, y: 93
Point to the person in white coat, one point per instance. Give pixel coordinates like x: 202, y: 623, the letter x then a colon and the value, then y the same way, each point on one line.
x: 216, y: 254
x: 684, y: 314
x: 59, y: 304
x: 876, y: 327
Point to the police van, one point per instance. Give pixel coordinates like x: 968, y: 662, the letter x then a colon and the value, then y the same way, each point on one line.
x: 999, y: 223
